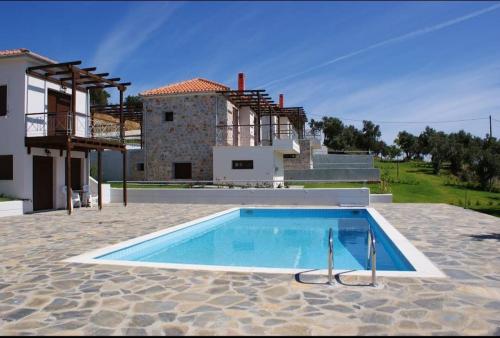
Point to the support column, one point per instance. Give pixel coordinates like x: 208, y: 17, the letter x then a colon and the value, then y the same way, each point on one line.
x: 99, y: 179
x: 124, y: 152
x: 75, y: 76
x: 270, y: 126
x: 124, y: 177
x: 279, y: 127
x: 258, y: 119
x: 69, y: 192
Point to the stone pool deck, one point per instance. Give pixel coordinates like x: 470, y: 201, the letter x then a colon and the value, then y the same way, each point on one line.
x: 41, y: 295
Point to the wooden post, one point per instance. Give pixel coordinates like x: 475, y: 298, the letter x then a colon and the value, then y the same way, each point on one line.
x: 92, y: 127
x: 69, y: 192
x: 74, y: 77
x: 124, y: 152
x: 99, y: 179
x: 279, y: 127
x: 258, y: 118
x: 142, y: 132
x: 124, y: 177
x: 270, y: 126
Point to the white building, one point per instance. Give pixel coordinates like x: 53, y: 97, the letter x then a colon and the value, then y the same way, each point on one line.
x: 200, y: 130
x: 46, y: 130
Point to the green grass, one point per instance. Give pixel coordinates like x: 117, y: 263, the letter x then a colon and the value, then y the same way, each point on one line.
x: 149, y: 186
x: 5, y: 199
x: 418, y: 184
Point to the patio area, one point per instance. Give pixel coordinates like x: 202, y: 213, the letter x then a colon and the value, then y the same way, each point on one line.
x: 41, y: 295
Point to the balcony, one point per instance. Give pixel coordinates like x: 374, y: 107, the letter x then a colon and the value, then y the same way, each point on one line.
x: 52, y: 130
x: 286, y: 142
x: 314, y: 139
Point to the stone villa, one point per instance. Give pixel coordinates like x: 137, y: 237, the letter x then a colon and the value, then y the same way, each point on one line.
x: 202, y: 130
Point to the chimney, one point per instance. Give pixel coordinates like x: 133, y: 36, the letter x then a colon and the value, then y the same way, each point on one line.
x: 241, y: 82
x: 281, y: 101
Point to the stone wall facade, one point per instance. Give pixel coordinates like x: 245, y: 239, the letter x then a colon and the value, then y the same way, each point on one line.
x: 134, y: 161
x: 189, y: 138
x: 303, y: 160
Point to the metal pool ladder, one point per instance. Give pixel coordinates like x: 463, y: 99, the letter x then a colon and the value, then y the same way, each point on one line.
x: 372, y: 255
x: 330, y: 257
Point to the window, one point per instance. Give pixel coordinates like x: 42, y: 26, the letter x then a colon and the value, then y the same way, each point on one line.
x: 139, y: 166
x: 6, y: 167
x: 182, y: 171
x: 243, y: 164
x: 3, y: 100
x: 290, y: 156
x: 169, y: 116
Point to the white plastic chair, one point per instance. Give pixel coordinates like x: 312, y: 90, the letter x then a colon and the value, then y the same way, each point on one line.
x: 75, y: 197
x: 85, y: 196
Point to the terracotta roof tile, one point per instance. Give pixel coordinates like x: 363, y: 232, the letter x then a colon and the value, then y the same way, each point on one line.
x: 197, y: 85
x: 14, y: 52
x: 24, y: 51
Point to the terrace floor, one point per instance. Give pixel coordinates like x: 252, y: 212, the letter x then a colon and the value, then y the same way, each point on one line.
x: 39, y: 294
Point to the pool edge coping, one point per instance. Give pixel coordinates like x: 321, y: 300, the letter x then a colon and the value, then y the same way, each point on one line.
x: 423, y: 266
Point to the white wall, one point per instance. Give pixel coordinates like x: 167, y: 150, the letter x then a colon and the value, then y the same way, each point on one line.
x: 37, y: 102
x: 12, y: 73
x: 247, y: 133
x: 264, y: 121
x: 285, y: 127
x: 330, y: 197
x: 267, y: 165
x: 11, y: 208
x: 12, y: 131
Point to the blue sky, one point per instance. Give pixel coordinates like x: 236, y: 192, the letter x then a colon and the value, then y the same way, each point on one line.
x: 388, y: 61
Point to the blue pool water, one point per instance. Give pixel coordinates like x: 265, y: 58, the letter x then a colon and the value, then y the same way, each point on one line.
x: 272, y: 238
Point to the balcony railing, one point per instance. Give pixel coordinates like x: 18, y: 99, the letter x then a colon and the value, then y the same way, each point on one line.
x: 57, y: 124
x: 248, y: 135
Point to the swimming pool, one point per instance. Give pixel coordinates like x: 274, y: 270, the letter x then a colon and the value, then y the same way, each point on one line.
x: 270, y: 240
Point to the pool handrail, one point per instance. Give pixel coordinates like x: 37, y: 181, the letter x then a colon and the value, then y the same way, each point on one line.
x: 330, y: 256
x: 372, y: 255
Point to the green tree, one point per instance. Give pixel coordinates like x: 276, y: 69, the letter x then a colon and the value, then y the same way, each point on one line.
x: 392, y: 152
x: 316, y: 127
x: 486, y: 163
x: 407, y: 142
x: 369, y: 137
x: 133, y: 100
x: 439, y: 151
x: 98, y: 97
x: 424, y: 140
x: 332, y: 129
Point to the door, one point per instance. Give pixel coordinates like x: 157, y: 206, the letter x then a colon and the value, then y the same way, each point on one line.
x: 58, y: 107
x: 42, y: 183
x: 182, y: 171
x: 76, y: 173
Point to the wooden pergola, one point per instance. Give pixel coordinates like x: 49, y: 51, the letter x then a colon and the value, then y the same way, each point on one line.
x: 262, y: 104
x: 131, y: 113
x: 70, y: 75
x: 296, y: 116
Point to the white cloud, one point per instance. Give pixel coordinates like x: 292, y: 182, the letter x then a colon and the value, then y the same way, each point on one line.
x: 397, y: 39
x: 131, y: 32
x: 454, y: 95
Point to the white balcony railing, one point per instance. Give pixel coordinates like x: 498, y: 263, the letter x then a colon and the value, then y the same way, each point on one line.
x: 57, y: 124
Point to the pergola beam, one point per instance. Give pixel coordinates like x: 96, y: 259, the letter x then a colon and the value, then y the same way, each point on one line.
x: 55, y: 65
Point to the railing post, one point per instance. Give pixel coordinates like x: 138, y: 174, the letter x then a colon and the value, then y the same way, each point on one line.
x: 124, y: 151
x: 69, y: 192
x: 372, y: 251
x: 330, y: 257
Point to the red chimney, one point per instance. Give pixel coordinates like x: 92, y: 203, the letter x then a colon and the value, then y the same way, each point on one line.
x: 281, y: 100
x: 241, y: 82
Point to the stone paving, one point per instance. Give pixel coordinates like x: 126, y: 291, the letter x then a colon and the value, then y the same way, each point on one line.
x: 41, y: 295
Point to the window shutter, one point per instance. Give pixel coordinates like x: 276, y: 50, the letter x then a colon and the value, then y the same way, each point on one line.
x: 6, y: 167
x: 3, y: 100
